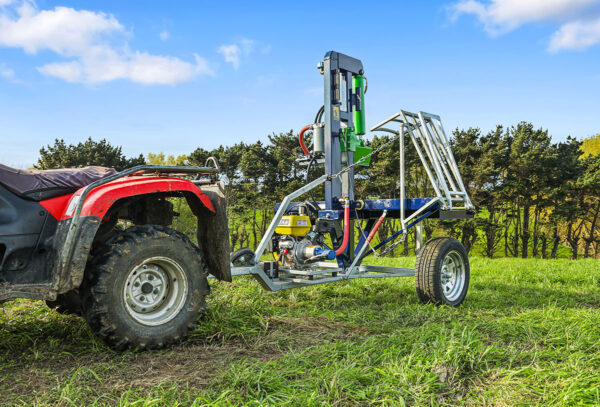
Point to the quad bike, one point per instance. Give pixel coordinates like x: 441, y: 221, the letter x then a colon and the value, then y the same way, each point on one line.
x: 97, y: 243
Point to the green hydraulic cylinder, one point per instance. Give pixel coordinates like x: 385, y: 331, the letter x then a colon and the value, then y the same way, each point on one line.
x: 358, y: 105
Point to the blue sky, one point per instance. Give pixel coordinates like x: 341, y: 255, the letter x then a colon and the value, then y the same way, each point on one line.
x: 173, y: 76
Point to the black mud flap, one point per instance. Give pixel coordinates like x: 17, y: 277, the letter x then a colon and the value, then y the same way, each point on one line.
x: 213, y: 234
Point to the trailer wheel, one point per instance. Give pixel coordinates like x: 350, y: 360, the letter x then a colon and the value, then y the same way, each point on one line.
x: 442, y: 272
x: 243, y: 257
x: 145, y: 289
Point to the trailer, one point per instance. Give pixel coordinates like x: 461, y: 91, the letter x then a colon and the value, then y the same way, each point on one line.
x: 298, y: 231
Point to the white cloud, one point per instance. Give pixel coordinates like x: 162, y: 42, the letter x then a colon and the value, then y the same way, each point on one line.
x: 94, y: 44
x: 577, y: 35
x: 234, y: 53
x: 231, y: 53
x: 501, y: 16
x: 164, y: 35
x: 247, y: 45
x: 137, y: 67
x: 63, y: 30
x: 505, y: 15
x: 7, y: 73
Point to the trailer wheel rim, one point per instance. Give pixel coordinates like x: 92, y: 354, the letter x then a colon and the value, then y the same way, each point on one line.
x: 155, y: 291
x: 453, y: 275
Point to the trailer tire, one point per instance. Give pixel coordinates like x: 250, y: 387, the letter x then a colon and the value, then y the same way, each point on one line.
x: 243, y: 257
x: 145, y: 289
x: 442, y: 272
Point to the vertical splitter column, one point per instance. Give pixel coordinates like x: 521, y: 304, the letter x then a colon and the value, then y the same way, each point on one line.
x: 338, y: 70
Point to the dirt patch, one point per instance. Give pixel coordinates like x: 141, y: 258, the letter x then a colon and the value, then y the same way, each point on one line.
x: 445, y: 374
x: 195, y: 363
x: 304, y: 332
x: 456, y: 389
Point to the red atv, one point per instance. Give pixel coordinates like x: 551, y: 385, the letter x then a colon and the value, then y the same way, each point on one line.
x: 97, y: 243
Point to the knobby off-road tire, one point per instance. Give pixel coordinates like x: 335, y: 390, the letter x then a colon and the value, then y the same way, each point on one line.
x: 145, y: 288
x: 442, y: 273
x: 67, y: 303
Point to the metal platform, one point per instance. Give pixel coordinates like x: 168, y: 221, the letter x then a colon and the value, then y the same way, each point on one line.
x: 369, y: 208
x: 322, y: 275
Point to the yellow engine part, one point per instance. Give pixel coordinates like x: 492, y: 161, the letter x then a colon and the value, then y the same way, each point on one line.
x: 294, y: 225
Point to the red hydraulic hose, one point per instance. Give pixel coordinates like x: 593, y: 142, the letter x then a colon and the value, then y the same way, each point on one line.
x: 301, y: 138
x: 379, y: 222
x: 342, y: 248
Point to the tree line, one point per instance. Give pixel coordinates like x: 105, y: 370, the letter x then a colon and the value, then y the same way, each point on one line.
x: 534, y: 197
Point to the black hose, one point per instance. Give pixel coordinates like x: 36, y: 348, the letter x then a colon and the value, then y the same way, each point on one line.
x: 318, y: 119
x: 312, y: 159
x: 320, y: 114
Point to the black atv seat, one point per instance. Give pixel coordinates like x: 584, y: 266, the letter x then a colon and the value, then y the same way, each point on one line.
x: 38, y: 185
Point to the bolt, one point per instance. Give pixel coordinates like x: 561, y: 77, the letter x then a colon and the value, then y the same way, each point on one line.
x: 142, y: 298
x: 150, y: 277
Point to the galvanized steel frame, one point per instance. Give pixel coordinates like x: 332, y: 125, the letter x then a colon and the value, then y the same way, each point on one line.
x: 433, y: 148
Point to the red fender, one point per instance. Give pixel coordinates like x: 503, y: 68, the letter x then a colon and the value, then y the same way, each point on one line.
x: 101, y: 198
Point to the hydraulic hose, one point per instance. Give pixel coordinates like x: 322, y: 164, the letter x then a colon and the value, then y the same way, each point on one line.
x: 319, y: 115
x: 379, y: 222
x: 342, y: 248
x: 301, y: 138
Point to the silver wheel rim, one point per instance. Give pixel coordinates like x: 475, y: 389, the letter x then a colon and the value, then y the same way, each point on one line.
x: 453, y: 275
x: 155, y: 291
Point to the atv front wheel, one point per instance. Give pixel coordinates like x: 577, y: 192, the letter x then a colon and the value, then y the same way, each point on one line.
x: 145, y: 289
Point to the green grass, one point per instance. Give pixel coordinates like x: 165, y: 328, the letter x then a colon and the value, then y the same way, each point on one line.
x: 528, y: 333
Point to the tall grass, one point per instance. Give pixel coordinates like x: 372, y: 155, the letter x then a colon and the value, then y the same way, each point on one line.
x: 527, y: 334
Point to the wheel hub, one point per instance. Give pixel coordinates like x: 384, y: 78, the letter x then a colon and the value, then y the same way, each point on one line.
x: 147, y: 288
x: 155, y: 291
x: 453, y: 275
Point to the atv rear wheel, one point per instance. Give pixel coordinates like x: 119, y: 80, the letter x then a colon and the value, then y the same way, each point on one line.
x: 145, y: 289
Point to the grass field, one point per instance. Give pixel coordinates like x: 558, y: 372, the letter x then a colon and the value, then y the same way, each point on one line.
x: 528, y: 333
